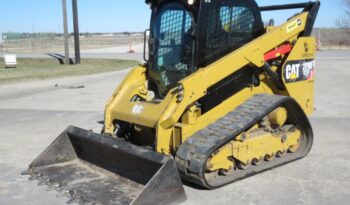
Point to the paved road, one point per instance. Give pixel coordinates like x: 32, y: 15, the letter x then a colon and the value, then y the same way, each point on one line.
x: 32, y: 115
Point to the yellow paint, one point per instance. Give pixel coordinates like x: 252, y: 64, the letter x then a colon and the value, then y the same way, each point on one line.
x: 294, y: 76
x: 303, y: 91
x: 278, y: 116
x: 175, y: 121
x: 292, y: 26
x: 257, y: 145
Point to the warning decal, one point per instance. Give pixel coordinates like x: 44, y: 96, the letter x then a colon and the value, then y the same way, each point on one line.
x: 295, y: 71
x: 294, y: 25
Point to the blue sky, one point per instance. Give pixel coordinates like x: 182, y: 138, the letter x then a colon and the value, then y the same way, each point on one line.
x: 117, y: 15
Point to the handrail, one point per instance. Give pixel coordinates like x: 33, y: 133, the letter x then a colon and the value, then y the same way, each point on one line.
x: 287, y: 6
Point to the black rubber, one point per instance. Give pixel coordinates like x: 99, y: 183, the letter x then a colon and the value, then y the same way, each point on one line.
x: 192, y: 156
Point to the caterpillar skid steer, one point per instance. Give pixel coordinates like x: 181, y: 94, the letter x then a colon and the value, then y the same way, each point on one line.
x: 221, y: 97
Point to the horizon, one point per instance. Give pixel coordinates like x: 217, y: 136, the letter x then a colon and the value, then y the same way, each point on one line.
x: 42, y: 16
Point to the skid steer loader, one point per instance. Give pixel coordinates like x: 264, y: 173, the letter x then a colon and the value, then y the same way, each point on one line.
x: 220, y: 97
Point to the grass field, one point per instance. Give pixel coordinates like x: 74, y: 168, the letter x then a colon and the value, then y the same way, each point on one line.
x: 34, y: 69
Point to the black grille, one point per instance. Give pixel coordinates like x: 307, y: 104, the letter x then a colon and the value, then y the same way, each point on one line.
x: 228, y: 25
x: 173, y: 24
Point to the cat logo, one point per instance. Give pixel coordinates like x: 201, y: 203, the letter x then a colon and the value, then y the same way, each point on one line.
x: 292, y: 71
x: 295, y: 71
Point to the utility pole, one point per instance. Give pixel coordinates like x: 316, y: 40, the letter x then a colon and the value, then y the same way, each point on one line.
x: 76, y: 31
x: 66, y: 36
x: 1, y: 42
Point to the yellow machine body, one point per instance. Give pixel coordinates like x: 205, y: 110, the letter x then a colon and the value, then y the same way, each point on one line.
x: 175, y: 121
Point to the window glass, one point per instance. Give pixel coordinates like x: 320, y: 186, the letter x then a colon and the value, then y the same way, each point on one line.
x: 172, y: 60
x: 228, y: 27
x: 174, y: 25
x: 237, y: 20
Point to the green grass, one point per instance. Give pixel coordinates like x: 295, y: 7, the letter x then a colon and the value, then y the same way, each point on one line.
x: 37, y: 69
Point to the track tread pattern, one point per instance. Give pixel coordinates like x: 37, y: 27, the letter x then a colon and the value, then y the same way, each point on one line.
x: 193, y: 154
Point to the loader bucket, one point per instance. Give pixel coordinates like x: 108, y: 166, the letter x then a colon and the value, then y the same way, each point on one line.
x: 94, y: 169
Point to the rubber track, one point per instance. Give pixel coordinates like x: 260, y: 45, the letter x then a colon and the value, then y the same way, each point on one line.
x: 192, y: 156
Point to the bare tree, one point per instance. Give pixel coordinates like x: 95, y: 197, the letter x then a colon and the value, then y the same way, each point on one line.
x: 347, y: 4
x: 346, y: 20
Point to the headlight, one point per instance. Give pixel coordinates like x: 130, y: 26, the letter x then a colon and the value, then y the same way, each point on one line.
x: 190, y: 2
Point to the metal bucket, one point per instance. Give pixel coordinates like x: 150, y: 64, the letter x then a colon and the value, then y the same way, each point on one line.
x: 94, y: 169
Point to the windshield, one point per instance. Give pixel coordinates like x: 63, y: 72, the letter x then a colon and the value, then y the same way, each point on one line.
x: 173, y: 49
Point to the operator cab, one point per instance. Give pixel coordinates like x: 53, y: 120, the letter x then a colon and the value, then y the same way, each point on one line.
x: 187, y: 35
